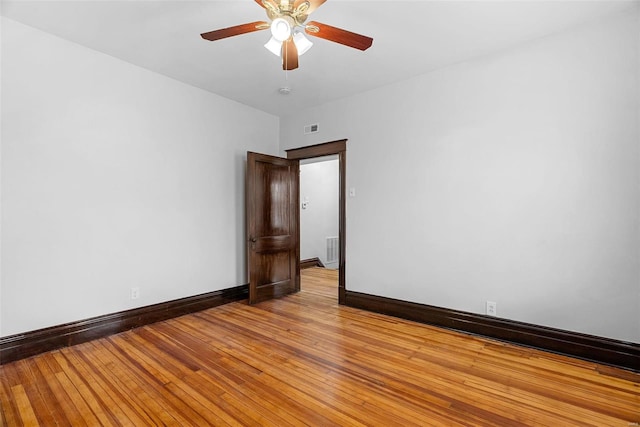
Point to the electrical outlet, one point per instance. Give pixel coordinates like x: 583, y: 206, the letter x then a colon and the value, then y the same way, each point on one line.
x: 135, y: 293
x: 492, y: 308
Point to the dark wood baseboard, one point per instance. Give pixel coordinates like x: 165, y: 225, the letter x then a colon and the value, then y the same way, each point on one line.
x: 588, y: 347
x: 311, y: 262
x: 20, y: 346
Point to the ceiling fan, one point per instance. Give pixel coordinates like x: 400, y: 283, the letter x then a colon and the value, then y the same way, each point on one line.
x: 288, y: 26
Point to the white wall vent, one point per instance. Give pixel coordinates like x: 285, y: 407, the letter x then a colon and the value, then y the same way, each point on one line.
x: 314, y: 128
x: 332, y: 249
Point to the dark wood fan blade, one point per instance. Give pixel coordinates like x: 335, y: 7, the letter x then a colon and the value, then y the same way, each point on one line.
x: 314, y: 4
x: 338, y: 35
x: 289, y: 55
x: 235, y: 31
x: 260, y: 3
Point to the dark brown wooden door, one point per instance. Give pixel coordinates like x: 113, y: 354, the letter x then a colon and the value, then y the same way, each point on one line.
x: 272, y: 226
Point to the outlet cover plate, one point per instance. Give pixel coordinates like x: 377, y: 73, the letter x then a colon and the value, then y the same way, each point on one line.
x: 491, y: 308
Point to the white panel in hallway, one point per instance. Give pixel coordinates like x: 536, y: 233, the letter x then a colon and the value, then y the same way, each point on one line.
x: 319, y: 219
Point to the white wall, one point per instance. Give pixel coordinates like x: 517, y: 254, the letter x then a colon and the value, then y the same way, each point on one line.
x: 512, y: 178
x: 319, y: 185
x: 1, y: 34
x: 114, y: 177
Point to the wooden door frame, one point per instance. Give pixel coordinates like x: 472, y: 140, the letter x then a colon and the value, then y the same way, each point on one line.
x: 338, y: 147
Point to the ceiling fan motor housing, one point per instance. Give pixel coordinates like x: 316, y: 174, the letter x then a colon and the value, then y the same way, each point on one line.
x: 284, y: 9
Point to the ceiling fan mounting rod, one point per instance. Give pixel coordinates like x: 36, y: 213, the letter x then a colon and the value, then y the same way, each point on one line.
x: 286, y: 6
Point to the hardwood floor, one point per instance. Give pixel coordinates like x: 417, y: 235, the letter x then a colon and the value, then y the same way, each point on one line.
x: 304, y: 360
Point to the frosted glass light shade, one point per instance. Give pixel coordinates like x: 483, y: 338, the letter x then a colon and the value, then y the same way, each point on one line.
x: 280, y: 29
x: 302, y: 43
x: 274, y: 46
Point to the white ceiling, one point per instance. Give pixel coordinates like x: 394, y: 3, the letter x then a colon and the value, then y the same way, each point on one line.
x: 410, y: 38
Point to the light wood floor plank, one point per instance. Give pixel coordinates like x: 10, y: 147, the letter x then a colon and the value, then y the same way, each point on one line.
x: 156, y: 403
x: 304, y: 360
x: 110, y: 403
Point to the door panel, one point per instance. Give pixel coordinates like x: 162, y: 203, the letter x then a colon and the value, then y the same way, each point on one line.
x: 272, y: 226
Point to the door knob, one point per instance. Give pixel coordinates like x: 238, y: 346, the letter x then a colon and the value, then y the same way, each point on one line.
x: 253, y: 239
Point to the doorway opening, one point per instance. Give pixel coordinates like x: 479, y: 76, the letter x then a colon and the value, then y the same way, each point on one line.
x: 319, y: 241
x: 330, y: 150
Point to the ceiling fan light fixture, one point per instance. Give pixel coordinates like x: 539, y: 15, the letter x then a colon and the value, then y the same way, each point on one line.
x: 274, y: 46
x: 281, y: 29
x: 302, y: 43
x: 288, y: 27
